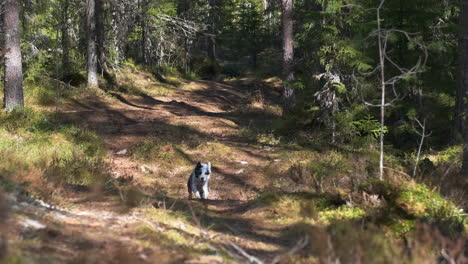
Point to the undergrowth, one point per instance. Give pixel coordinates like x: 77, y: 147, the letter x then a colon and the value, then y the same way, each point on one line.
x: 40, y: 150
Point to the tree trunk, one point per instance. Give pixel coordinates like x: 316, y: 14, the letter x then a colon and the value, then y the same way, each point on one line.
x: 100, y: 35
x: 115, y: 33
x: 462, y: 73
x: 92, y: 50
x: 24, y: 9
x: 462, y: 82
x: 211, y: 29
x: 65, y: 39
x: 13, y: 69
x: 142, y: 5
x: 288, y: 56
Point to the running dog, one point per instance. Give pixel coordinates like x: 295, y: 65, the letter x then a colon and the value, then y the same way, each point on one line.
x: 198, y: 180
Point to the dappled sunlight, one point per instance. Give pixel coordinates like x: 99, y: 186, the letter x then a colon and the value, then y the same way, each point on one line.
x: 268, y: 194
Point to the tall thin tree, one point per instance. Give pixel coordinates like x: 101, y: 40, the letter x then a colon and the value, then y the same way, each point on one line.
x: 288, y: 56
x: 65, y: 37
x: 462, y: 71
x: 462, y: 82
x: 212, y: 29
x: 13, y: 69
x: 91, y: 44
x: 100, y: 35
x: 143, y: 17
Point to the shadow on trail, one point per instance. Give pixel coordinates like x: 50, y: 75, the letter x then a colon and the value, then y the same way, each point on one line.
x: 125, y: 101
x: 142, y: 120
x: 199, y: 214
x: 231, y: 100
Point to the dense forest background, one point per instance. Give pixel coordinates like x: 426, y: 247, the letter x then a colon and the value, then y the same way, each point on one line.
x: 333, y: 42
x: 361, y: 105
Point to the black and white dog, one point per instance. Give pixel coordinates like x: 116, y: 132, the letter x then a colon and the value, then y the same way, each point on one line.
x: 198, y: 180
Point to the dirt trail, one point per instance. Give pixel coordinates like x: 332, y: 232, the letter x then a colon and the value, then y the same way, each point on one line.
x: 212, y: 111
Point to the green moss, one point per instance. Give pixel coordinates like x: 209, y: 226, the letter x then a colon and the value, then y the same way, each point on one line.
x: 448, y: 155
x: 422, y: 202
x: 402, y: 226
x: 341, y: 213
x: 410, y: 201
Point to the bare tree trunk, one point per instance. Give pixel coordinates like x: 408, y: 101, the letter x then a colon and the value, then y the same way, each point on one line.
x: 13, y: 68
x: 288, y: 56
x: 462, y: 74
x: 421, y: 143
x: 92, y: 50
x: 211, y: 28
x: 459, y: 104
x: 24, y: 20
x: 100, y: 35
x: 462, y: 82
x: 65, y: 39
x: 142, y: 5
x: 382, y: 87
x: 115, y: 35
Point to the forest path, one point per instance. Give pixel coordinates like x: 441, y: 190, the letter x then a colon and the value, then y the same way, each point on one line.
x: 203, y: 121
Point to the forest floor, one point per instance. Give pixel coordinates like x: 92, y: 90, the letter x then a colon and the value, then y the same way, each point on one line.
x: 272, y: 200
x: 162, y: 225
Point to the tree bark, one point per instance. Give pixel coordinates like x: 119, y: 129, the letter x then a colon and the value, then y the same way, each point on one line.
x: 24, y: 20
x: 211, y: 28
x: 462, y: 82
x: 13, y: 95
x: 142, y: 57
x: 115, y: 18
x: 91, y: 45
x: 65, y: 39
x: 100, y: 35
x: 382, y: 90
x: 288, y: 56
x: 462, y: 72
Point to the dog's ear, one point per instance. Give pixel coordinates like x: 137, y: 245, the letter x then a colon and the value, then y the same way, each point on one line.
x: 199, y: 165
x: 209, y: 167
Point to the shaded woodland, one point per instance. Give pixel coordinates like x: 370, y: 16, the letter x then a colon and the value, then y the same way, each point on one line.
x: 337, y: 131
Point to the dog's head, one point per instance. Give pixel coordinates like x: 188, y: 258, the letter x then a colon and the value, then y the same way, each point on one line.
x: 203, y: 172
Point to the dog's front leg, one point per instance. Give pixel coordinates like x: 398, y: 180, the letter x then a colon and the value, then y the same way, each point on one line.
x: 195, y: 190
x: 205, y: 191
